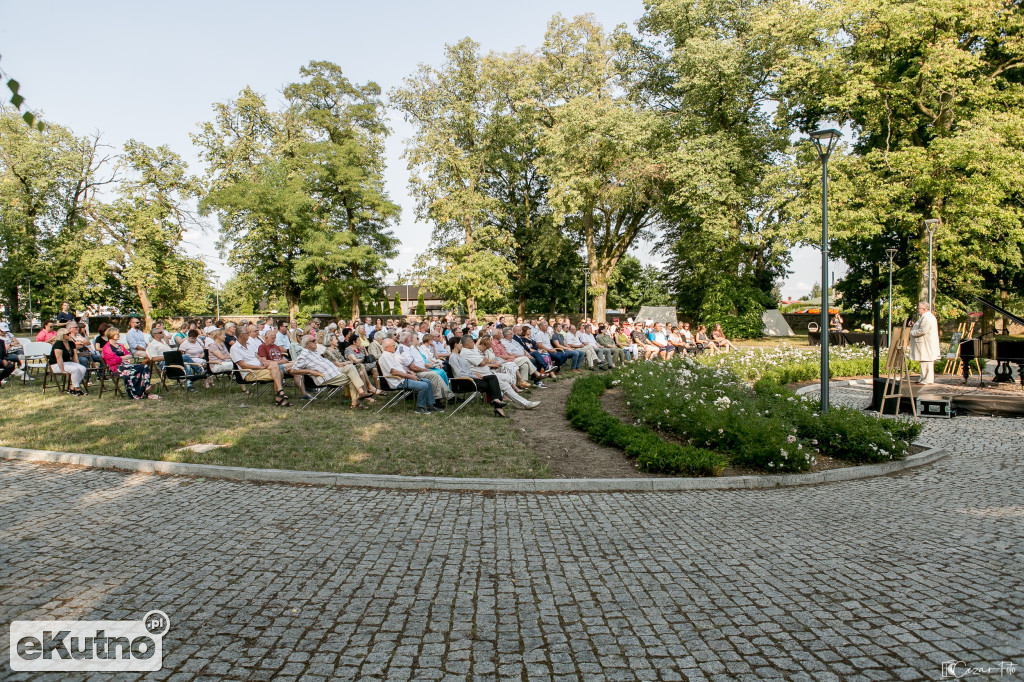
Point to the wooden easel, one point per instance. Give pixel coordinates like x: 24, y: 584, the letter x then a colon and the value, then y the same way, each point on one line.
x: 897, y: 369
x: 953, y: 368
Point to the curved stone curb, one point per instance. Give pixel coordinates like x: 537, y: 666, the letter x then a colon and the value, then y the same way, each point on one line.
x: 146, y: 466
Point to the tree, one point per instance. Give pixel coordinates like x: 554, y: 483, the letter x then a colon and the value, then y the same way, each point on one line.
x: 421, y: 306
x: 708, y: 65
x: 397, y: 308
x: 453, y: 112
x: 932, y: 93
x: 48, y: 185
x: 633, y: 285
x: 299, y: 193
x: 601, y: 151
x: 145, y: 226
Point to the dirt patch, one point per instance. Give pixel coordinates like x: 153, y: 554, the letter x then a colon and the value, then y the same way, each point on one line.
x: 569, y: 453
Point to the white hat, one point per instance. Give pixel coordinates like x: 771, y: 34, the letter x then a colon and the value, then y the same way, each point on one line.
x: 629, y: 319
x: 4, y: 327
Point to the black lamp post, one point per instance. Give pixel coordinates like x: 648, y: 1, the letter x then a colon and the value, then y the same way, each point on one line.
x: 891, y: 253
x: 824, y: 141
x: 930, y: 224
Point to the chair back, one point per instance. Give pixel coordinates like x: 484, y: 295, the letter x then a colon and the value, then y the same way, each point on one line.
x: 174, y: 365
x: 385, y: 385
x: 462, y: 385
x: 37, y: 349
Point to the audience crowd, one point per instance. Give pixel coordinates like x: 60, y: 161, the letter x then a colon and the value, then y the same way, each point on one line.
x: 365, y: 359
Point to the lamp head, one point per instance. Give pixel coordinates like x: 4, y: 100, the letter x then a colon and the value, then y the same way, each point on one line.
x: 825, y: 141
x: 930, y: 224
x: 891, y: 253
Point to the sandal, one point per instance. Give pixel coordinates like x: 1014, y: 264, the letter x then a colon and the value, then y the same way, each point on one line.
x: 358, y: 406
x: 281, y: 400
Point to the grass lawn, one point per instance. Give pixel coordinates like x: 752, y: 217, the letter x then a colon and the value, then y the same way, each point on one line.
x: 322, y: 437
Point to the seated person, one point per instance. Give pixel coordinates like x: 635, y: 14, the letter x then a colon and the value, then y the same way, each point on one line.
x: 220, y: 357
x: 155, y: 352
x: 644, y: 345
x: 623, y: 339
x: 586, y: 336
x: 658, y: 338
x: 398, y: 377
x: 14, y: 352
x: 413, y: 361
x: 479, y: 363
x: 134, y: 375
x: 504, y: 369
x: 47, y: 333
x: 677, y: 340
x: 565, y: 340
x: 136, y: 340
x: 836, y: 324
x: 356, y: 359
x: 178, y: 336
x: 484, y: 380
x: 605, y: 340
x: 271, y: 352
x: 63, y: 359
x: 718, y: 336
x: 702, y: 340
x: 542, y: 340
x: 254, y: 368
x: 82, y: 346
x: 504, y: 348
x: 7, y: 366
x: 192, y: 351
x: 328, y: 373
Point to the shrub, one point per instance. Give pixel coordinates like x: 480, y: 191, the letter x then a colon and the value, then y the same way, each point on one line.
x: 653, y: 454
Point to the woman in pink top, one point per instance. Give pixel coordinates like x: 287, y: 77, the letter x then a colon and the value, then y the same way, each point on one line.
x: 135, y: 377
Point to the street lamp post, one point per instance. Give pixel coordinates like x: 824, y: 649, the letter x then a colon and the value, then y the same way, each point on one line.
x: 891, y: 253
x: 930, y: 224
x: 824, y: 141
x: 586, y: 280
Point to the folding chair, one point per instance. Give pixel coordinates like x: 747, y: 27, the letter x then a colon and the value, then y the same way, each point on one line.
x: 209, y: 374
x: 319, y: 393
x: 36, y: 353
x: 174, y: 369
x: 385, y: 385
x: 61, y: 380
x: 463, y: 386
x: 104, y: 374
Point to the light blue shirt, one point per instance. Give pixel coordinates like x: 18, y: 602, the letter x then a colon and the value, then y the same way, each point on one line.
x: 135, y: 338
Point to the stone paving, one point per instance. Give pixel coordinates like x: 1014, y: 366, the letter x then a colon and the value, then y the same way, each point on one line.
x: 877, y: 579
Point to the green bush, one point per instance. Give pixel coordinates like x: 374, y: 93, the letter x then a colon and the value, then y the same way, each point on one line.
x: 653, y: 454
x: 749, y: 325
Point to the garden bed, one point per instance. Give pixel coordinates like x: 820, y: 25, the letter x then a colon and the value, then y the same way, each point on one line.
x: 699, y: 418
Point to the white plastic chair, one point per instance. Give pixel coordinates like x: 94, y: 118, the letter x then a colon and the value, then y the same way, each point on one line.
x: 36, y: 353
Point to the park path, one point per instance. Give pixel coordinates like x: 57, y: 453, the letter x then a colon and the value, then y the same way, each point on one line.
x: 883, y: 578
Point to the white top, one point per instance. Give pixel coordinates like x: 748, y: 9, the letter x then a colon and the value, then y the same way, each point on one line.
x: 156, y: 349
x: 388, y: 362
x: 541, y: 338
x: 587, y: 339
x: 476, y: 360
x: 253, y: 343
x: 209, y: 330
x: 924, y: 339
x: 244, y: 356
x: 572, y: 340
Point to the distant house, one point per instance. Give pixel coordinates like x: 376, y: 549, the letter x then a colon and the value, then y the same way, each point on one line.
x: 408, y: 295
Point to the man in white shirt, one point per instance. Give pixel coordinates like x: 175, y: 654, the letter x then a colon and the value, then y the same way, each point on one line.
x: 924, y: 343
x: 281, y: 338
x: 255, y: 368
x: 542, y: 338
x: 414, y: 361
x: 572, y: 341
x: 397, y: 376
x: 327, y: 373
x: 586, y: 337
x: 368, y: 327
x: 157, y: 346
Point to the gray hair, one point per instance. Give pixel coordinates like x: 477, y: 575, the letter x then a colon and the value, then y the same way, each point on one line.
x: 306, y: 339
x: 924, y: 304
x: 403, y: 337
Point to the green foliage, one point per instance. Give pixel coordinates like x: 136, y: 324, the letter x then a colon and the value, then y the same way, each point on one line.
x: 396, y: 309
x: 421, y: 306
x: 300, y: 193
x: 584, y: 411
x: 632, y: 286
x: 747, y: 325
x: 769, y: 428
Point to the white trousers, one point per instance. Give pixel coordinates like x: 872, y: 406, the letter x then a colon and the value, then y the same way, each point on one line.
x: 508, y: 391
x: 74, y: 369
x: 525, y: 367
x: 927, y: 371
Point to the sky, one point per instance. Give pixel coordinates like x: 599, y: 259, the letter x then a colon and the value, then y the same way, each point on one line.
x: 151, y: 71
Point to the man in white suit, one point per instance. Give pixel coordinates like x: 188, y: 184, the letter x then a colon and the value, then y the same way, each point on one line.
x: 924, y: 343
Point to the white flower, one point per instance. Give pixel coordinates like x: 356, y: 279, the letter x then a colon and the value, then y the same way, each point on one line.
x: 790, y: 439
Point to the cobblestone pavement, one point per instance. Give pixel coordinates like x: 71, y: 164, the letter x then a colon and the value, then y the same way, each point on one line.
x: 883, y: 578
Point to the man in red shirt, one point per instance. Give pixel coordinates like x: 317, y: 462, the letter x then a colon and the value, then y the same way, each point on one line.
x: 271, y: 352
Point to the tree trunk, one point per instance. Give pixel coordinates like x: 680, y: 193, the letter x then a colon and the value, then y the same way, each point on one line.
x: 355, y: 305
x: 521, y: 306
x: 334, y: 305
x: 599, y: 294
x: 147, y: 307
x: 12, y: 307
x: 293, y: 305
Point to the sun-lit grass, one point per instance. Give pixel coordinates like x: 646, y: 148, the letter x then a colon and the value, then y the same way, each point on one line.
x: 323, y: 437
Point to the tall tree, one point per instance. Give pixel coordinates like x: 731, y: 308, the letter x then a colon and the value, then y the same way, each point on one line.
x: 299, y: 193
x: 144, y: 227
x: 601, y: 151
x: 453, y: 110
x: 932, y: 91
x: 48, y: 185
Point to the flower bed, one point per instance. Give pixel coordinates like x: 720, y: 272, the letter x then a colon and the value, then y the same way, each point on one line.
x: 653, y: 454
x: 766, y: 427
